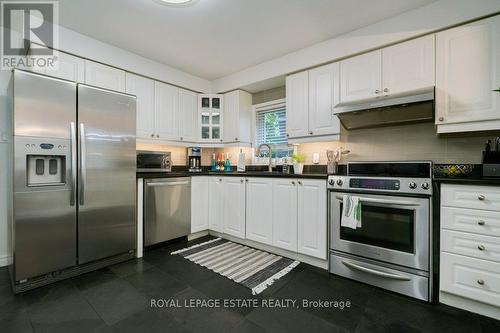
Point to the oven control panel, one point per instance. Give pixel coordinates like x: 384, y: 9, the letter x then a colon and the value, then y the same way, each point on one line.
x: 373, y: 184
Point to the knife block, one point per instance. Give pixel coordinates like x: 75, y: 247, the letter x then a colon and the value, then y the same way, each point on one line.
x: 491, y: 164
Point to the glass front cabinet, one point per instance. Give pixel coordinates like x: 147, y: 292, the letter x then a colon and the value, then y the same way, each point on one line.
x: 210, y: 113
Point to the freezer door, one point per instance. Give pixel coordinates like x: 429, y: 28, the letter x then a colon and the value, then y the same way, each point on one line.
x: 44, y: 106
x: 107, y: 183
x: 44, y: 215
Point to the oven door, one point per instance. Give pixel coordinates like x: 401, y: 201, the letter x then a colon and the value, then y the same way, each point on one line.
x: 394, y: 229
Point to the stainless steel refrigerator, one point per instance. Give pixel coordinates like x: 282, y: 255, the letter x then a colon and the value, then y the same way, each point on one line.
x: 73, y: 189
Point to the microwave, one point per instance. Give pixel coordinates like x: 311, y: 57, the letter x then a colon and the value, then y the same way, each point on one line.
x: 154, y: 161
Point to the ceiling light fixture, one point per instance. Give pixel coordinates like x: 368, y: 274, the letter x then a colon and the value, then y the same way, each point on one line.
x: 176, y: 3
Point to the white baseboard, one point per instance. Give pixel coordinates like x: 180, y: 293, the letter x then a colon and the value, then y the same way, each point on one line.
x: 469, y: 305
x: 197, y: 235
x: 5, y: 260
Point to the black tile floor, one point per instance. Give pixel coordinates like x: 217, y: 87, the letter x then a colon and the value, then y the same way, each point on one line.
x: 117, y: 299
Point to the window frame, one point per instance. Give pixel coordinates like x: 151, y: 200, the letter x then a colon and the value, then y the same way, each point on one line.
x: 267, y: 106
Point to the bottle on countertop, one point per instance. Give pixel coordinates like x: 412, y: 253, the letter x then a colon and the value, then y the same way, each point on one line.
x: 213, y: 163
x: 241, y: 161
x: 227, y: 163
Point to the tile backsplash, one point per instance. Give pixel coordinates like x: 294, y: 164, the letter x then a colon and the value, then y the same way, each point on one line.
x: 399, y: 143
x: 403, y: 143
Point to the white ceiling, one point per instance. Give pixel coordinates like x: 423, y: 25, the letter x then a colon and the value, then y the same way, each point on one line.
x: 215, y: 38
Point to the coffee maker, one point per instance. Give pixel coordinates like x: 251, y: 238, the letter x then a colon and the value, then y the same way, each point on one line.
x: 194, y: 159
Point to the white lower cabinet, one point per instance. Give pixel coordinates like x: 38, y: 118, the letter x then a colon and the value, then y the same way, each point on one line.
x: 234, y: 206
x: 215, y: 204
x: 259, y: 210
x: 285, y: 214
x: 312, y: 218
x: 470, y: 248
x: 199, y: 204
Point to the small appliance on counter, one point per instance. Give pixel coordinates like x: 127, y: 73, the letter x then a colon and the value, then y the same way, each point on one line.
x: 154, y: 161
x: 194, y: 159
x: 491, y: 159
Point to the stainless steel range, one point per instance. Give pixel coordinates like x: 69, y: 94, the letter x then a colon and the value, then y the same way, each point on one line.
x: 392, y: 248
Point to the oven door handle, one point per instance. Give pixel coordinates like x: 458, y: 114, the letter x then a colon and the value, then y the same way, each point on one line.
x: 384, y: 201
x: 375, y: 272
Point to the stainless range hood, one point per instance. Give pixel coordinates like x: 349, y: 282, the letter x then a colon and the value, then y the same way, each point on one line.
x: 414, y: 107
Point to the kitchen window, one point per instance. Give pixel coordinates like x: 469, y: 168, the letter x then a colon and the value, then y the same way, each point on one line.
x: 270, y: 127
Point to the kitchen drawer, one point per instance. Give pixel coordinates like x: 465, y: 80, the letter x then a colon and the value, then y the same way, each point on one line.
x: 472, y: 278
x: 469, y: 220
x: 471, y: 196
x: 472, y: 245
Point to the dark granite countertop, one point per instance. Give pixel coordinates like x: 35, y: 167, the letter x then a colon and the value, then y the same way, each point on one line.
x: 310, y: 171
x: 474, y: 180
x: 174, y: 174
x: 475, y: 177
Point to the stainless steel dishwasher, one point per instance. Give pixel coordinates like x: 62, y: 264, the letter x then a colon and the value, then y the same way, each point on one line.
x: 167, y: 209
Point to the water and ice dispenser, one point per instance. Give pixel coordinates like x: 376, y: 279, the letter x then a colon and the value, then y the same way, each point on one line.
x: 45, y: 170
x: 42, y: 161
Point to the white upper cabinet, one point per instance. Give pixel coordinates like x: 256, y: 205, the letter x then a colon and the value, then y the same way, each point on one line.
x: 259, y: 210
x: 69, y: 68
x: 143, y: 88
x: 199, y: 204
x: 234, y: 206
x: 103, y: 76
x: 408, y: 66
x: 285, y: 214
x: 167, y: 111
x: 361, y: 77
x: 312, y: 219
x: 215, y: 204
x: 297, y: 104
x: 237, y: 116
x: 467, y: 70
x: 324, y: 90
x: 188, y: 115
x: 210, y: 113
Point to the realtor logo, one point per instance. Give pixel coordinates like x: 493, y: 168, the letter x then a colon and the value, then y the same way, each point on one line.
x: 29, y: 34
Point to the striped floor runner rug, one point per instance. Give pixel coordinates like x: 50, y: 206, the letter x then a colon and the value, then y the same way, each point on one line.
x: 249, y: 267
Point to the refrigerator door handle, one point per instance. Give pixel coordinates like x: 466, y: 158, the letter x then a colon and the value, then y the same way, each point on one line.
x: 83, y: 168
x: 74, y: 167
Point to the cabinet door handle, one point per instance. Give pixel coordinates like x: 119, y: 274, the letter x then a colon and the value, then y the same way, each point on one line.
x: 441, y: 118
x: 386, y: 90
x: 152, y: 135
x: 220, y: 179
x: 480, y: 282
x: 481, y: 248
x: 246, y: 180
x: 293, y: 183
x: 300, y: 183
x: 182, y: 138
x: 481, y: 197
x: 241, y: 181
x: 377, y: 92
x: 481, y: 222
x: 310, y: 132
x: 235, y: 139
x: 158, y: 136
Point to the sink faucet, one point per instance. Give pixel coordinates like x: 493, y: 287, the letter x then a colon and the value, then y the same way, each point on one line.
x: 270, y: 168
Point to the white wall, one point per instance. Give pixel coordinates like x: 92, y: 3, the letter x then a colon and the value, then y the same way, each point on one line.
x: 4, y: 162
x: 435, y: 16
